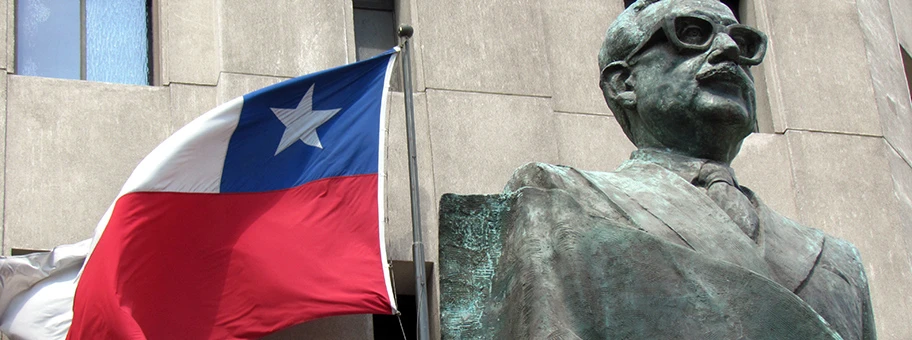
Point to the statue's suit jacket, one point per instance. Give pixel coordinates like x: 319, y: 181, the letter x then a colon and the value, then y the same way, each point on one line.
x: 641, y: 253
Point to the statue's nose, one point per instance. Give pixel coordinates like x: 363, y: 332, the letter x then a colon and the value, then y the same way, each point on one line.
x: 724, y: 49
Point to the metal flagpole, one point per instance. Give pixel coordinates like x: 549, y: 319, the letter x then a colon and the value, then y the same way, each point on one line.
x: 405, y: 32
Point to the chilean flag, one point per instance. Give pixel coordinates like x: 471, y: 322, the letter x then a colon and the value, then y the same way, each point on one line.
x: 263, y: 213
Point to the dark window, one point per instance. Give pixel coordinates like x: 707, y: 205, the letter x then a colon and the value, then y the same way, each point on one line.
x: 907, y: 65
x: 375, y: 32
x: 100, y: 40
x: 20, y: 251
x: 387, y: 326
x: 375, y: 27
x: 735, y: 6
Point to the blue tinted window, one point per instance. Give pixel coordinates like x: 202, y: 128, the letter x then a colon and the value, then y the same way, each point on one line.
x: 117, y: 48
x: 48, y: 38
x: 101, y: 40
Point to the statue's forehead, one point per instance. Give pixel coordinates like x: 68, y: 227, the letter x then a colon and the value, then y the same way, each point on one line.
x: 710, y: 9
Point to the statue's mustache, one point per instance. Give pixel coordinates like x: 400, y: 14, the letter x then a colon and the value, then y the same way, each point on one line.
x: 728, y: 71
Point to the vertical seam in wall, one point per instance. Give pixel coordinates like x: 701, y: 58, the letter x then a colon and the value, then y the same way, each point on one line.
x: 865, y: 36
x: 777, y: 107
x: 345, y: 5
x: 547, y: 40
x: 544, y: 26
x: 10, y: 59
x: 434, y: 278
x: 3, y: 225
x: 218, y: 47
x: 427, y: 134
x: 11, y: 34
x: 895, y: 33
x: 793, y: 177
x: 427, y: 120
x: 560, y: 136
x: 413, y: 21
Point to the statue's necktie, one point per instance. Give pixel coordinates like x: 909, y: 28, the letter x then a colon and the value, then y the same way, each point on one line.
x: 722, y: 189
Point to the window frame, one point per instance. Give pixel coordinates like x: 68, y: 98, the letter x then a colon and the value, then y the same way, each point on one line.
x: 153, y: 78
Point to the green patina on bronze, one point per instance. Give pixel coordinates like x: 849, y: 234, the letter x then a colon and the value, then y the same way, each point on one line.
x: 471, y: 243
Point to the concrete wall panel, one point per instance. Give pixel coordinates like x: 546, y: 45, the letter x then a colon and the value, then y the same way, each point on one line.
x: 189, y: 102
x: 494, y: 46
x: 71, y: 145
x: 398, y: 201
x: 764, y: 166
x: 189, y: 36
x: 823, y: 78
x: 844, y: 187
x: 478, y: 140
x: 233, y: 85
x: 284, y: 38
x: 591, y: 142
x: 574, y: 30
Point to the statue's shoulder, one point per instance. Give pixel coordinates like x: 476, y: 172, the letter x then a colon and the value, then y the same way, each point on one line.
x: 537, y: 175
x: 552, y: 176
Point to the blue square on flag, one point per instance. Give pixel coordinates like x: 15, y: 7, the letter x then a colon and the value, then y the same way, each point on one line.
x: 328, y: 131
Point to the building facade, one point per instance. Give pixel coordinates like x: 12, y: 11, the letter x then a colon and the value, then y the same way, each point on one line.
x: 498, y: 83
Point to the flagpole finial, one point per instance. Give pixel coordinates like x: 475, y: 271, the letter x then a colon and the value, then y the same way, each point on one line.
x: 405, y: 31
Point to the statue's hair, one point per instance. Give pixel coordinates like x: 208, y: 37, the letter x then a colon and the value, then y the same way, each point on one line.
x: 624, y: 34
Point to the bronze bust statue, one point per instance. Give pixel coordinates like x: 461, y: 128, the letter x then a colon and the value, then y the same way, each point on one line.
x: 667, y: 246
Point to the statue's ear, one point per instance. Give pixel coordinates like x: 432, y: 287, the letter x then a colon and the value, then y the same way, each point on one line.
x: 617, y: 84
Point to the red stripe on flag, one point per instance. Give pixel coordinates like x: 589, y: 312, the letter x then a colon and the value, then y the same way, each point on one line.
x: 227, y: 266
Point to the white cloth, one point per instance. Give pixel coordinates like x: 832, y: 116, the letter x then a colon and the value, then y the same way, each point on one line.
x: 36, y: 292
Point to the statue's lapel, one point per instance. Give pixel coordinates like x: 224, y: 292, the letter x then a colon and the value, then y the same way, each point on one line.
x: 670, y: 201
x: 790, y: 249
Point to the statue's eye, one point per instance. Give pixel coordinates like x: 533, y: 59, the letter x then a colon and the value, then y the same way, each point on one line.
x: 744, y: 45
x: 747, y: 39
x: 693, y: 31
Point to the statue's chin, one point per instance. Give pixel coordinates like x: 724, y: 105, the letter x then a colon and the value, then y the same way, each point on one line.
x: 724, y: 110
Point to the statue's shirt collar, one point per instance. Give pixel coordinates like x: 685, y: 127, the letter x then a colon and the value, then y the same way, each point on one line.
x: 685, y: 166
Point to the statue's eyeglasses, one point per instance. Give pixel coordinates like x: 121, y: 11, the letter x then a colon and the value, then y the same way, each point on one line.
x: 695, y: 34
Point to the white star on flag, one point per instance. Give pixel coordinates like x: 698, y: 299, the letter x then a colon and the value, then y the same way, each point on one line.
x: 301, y: 123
